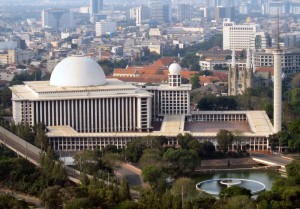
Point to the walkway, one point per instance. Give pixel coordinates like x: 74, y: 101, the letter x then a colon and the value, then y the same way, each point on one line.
x: 21, y: 196
x: 273, y: 160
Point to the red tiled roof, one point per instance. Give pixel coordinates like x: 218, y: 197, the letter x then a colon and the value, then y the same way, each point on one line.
x: 146, y: 79
x: 127, y: 71
x: 208, y: 79
x: 222, y: 76
x: 165, y: 61
x: 265, y: 69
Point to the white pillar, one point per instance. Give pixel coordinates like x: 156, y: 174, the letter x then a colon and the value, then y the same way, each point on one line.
x: 138, y: 110
x: 277, y: 90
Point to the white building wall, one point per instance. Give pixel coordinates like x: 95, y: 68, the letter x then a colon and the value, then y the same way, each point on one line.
x: 237, y: 37
x: 105, y: 27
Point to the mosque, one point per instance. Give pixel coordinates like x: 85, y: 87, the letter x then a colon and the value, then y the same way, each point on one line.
x: 83, y: 109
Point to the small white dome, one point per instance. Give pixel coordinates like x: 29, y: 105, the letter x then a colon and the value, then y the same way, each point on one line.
x: 174, y: 69
x: 77, y: 71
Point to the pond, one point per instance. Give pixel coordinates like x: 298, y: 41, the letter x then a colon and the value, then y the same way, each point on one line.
x: 266, y: 178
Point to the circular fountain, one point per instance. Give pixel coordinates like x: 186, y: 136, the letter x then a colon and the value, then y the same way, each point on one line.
x: 230, y: 182
x: 214, y: 186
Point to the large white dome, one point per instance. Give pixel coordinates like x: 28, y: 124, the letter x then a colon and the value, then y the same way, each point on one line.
x: 77, y: 71
x: 174, y: 69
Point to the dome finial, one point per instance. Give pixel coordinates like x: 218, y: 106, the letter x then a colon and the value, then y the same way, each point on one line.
x: 174, y: 69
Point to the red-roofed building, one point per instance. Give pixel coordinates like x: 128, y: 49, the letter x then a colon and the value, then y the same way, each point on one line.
x: 164, y: 62
x: 222, y: 76
x: 204, y: 80
x: 154, y: 73
x: 265, y: 69
x: 263, y: 76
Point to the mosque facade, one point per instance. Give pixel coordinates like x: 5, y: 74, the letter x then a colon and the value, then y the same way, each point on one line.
x: 83, y: 109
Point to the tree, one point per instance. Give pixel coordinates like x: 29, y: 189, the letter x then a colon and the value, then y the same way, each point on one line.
x: 184, y: 186
x: 237, y: 138
x: 88, y: 162
x: 234, y: 191
x: 111, y: 160
x: 201, y: 201
x: 41, y: 139
x: 150, y: 157
x: 194, y: 145
x: 111, y: 148
x: 283, y: 138
x: 79, y: 203
x: 10, y: 202
x: 51, y: 197
x: 217, y: 103
x: 180, y: 160
x: 152, y: 174
x: 235, y: 202
x: 273, y: 141
x: 224, y: 139
x: 295, y: 82
x: 127, y: 205
x: 183, y: 140
x: 294, y: 127
x: 293, y: 168
x: 195, y: 81
x: 206, y: 149
x: 124, y: 190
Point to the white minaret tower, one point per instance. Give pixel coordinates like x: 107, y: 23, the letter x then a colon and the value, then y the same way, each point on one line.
x: 174, y: 75
x: 277, y: 86
x: 234, y: 75
x: 248, y: 63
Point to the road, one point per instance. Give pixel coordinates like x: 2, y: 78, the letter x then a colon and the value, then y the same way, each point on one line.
x: 272, y: 158
x: 32, y: 154
x: 133, y: 176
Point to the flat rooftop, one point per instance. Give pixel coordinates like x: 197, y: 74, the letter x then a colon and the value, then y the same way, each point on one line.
x: 256, y: 125
x: 215, y: 126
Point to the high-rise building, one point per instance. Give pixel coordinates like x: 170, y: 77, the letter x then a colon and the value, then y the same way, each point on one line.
x: 96, y: 6
x: 211, y: 3
x: 184, y: 12
x: 273, y: 7
x: 57, y: 18
x: 237, y: 37
x: 224, y: 12
x: 291, y: 40
x: 105, y: 27
x: 260, y: 40
x: 160, y: 10
x: 139, y: 14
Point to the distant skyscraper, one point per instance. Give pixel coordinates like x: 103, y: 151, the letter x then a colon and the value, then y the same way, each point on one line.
x: 184, y: 12
x: 260, y: 40
x: 105, y: 27
x: 224, y: 12
x: 57, y: 18
x: 160, y: 10
x: 139, y: 14
x: 211, y: 3
x: 96, y: 6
